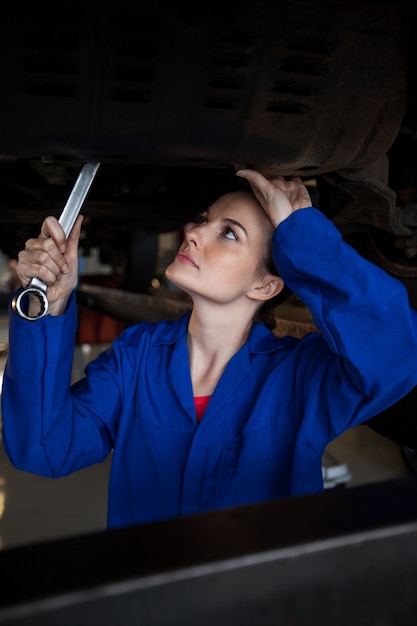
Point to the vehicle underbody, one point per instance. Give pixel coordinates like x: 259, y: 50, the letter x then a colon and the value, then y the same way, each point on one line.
x: 171, y: 98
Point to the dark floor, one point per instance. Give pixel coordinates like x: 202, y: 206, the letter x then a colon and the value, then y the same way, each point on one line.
x: 34, y: 509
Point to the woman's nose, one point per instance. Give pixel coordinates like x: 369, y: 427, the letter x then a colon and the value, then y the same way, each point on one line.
x: 190, y: 233
x: 188, y: 226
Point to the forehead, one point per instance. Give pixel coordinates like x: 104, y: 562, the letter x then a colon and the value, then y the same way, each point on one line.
x: 243, y: 207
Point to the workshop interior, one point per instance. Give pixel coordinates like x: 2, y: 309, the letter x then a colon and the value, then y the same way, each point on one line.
x: 165, y: 101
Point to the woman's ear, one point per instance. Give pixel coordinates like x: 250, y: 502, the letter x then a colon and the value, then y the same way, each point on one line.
x: 269, y: 286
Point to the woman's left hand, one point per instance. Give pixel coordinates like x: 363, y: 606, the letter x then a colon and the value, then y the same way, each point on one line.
x: 278, y: 197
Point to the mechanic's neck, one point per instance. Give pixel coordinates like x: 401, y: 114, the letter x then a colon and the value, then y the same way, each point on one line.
x: 214, y: 336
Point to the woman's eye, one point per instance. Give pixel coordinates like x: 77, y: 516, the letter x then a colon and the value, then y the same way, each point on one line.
x: 229, y: 233
x: 201, y: 219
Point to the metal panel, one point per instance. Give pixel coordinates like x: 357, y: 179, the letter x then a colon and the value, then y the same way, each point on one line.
x: 340, y: 557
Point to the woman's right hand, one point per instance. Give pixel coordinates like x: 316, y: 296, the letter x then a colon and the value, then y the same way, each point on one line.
x: 54, y: 259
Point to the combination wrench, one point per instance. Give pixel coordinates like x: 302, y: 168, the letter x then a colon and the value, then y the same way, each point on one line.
x: 67, y: 220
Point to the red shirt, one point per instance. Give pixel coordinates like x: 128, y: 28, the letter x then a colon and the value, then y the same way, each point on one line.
x: 200, y: 403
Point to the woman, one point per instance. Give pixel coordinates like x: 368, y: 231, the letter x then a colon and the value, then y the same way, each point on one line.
x: 212, y: 410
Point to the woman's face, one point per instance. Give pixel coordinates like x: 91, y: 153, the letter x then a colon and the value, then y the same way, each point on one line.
x: 223, y: 255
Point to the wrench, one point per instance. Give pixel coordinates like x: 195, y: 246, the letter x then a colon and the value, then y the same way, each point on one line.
x: 67, y: 219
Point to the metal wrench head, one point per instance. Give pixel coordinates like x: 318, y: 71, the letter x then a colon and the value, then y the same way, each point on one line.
x: 20, y: 304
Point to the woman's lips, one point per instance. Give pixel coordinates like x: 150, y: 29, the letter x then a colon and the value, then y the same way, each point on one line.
x: 183, y: 257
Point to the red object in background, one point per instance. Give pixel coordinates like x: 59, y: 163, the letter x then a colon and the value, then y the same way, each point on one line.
x: 93, y: 326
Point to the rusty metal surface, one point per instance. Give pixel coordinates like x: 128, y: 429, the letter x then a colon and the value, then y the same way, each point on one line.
x: 170, y: 98
x: 273, y: 84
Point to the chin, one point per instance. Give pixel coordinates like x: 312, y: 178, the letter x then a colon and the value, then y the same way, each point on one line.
x: 170, y: 274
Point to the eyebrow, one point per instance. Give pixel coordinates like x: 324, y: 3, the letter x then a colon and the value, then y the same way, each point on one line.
x: 229, y: 220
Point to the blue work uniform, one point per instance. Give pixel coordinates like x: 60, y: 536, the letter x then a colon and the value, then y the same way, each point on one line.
x: 279, y: 402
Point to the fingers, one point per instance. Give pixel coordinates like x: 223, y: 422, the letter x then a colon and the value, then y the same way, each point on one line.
x: 74, y: 235
x: 51, y: 229
x: 40, y: 259
x: 258, y: 182
x: 271, y: 195
x: 278, y: 196
x: 255, y: 175
x: 43, y: 257
x: 54, y: 260
x: 252, y: 176
x: 290, y: 182
x: 261, y: 184
x: 45, y: 251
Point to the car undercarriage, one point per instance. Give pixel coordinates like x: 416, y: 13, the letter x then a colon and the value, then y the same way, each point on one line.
x: 171, y: 98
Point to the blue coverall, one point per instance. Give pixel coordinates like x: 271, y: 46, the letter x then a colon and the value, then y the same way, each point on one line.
x: 276, y: 407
